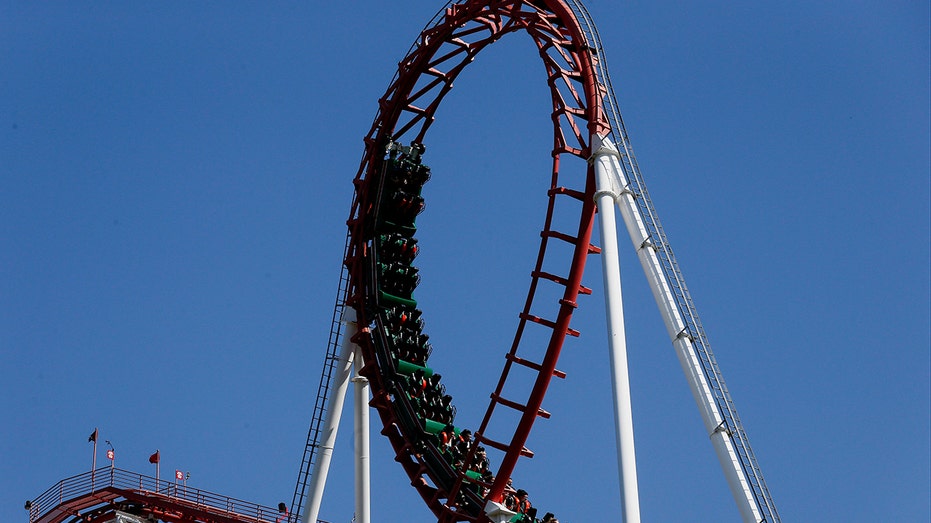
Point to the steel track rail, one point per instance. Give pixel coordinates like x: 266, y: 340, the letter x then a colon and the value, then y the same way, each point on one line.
x: 583, y: 103
x: 425, y: 75
x: 684, y: 302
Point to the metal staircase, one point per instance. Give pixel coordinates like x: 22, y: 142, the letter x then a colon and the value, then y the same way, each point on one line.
x: 323, y: 393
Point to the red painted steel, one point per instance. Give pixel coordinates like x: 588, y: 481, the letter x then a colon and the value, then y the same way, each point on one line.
x: 95, y: 495
x: 406, y: 112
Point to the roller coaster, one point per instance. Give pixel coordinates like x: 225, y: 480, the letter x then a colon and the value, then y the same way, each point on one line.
x: 378, y: 329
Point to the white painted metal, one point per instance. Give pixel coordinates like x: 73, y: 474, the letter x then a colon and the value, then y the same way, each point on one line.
x: 498, y: 513
x: 123, y: 517
x: 331, y: 420
x: 676, y: 327
x: 363, y: 470
x: 605, y: 196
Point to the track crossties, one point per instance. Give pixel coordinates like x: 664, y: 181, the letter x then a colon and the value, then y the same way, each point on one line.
x: 456, y: 471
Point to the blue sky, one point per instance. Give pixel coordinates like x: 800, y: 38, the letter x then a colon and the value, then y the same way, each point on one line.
x: 174, y: 185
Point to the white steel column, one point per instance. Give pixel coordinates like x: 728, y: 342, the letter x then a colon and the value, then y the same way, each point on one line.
x: 675, y: 325
x: 331, y: 421
x: 361, y: 418
x: 605, y: 197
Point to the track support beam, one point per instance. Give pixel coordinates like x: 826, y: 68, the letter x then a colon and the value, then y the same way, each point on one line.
x: 606, y: 194
x: 334, y: 411
x: 607, y: 155
x: 363, y: 470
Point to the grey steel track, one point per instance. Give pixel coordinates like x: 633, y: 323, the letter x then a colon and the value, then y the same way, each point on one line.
x: 674, y: 276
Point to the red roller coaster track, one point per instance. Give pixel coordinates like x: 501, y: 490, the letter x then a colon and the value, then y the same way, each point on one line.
x: 387, y: 199
x: 379, y: 280
x: 406, y: 112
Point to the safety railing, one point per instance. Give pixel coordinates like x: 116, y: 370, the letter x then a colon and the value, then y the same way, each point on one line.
x: 107, y: 480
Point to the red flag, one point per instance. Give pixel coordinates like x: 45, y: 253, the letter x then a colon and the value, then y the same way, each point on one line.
x: 110, y: 454
x: 154, y: 457
x: 93, y: 437
x: 179, y: 475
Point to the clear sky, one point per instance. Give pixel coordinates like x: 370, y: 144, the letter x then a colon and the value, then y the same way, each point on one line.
x: 175, y: 180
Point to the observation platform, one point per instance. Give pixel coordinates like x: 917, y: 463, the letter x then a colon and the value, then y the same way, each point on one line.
x: 114, y: 495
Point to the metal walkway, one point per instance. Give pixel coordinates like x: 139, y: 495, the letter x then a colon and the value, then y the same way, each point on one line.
x: 97, y: 493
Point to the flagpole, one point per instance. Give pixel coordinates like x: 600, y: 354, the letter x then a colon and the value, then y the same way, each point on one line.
x: 94, y: 464
x: 111, y: 455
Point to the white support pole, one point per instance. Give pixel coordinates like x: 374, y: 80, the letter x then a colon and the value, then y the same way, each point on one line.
x: 363, y: 471
x: 331, y: 421
x: 675, y: 325
x: 605, y: 197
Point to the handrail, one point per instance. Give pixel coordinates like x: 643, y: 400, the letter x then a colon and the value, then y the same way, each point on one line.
x: 107, y: 480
